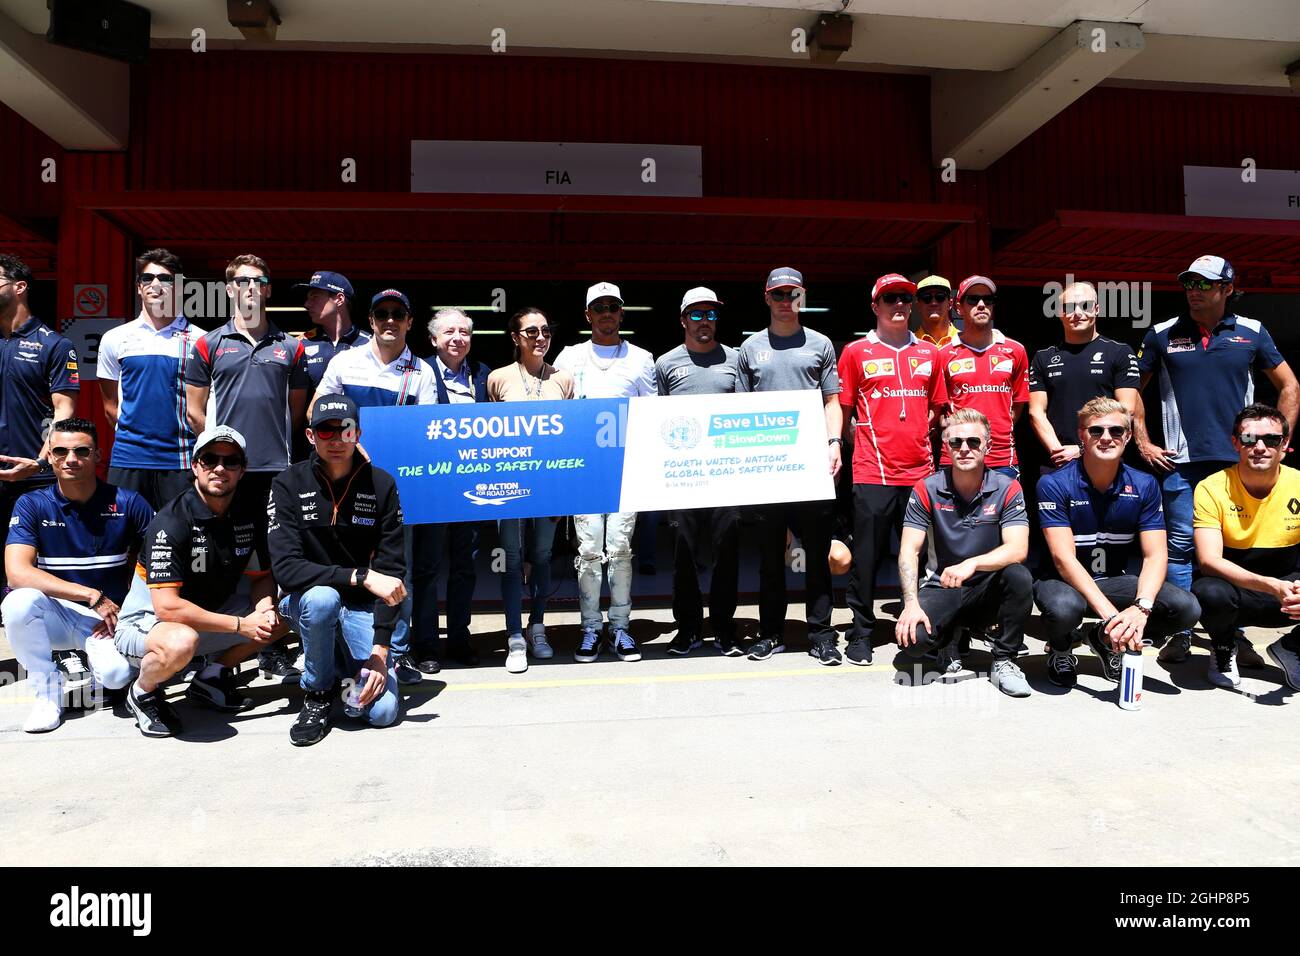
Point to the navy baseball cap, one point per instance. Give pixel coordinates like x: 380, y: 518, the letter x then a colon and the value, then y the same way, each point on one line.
x: 784, y: 278
x: 333, y: 408
x: 390, y: 294
x: 330, y: 282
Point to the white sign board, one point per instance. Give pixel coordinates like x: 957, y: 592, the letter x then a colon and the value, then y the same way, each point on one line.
x: 701, y: 451
x: 560, y: 169
x: 1221, y: 191
x: 84, y: 334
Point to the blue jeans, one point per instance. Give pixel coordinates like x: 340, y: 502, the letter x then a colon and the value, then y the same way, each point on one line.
x: 540, y: 537
x: 336, y: 643
x: 424, y: 544
x: 1177, y: 489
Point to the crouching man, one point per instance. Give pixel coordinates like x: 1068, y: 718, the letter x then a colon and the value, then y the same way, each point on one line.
x: 972, y: 522
x: 69, y: 557
x: 337, y: 548
x: 196, y: 554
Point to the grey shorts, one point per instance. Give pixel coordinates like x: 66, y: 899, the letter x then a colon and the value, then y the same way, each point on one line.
x: 133, y: 632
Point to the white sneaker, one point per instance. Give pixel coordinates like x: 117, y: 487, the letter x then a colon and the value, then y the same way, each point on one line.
x: 47, y: 712
x: 517, y: 656
x: 1223, y: 668
x: 538, y: 644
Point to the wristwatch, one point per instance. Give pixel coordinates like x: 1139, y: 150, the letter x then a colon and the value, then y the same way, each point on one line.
x: 835, y: 441
x: 1145, y: 605
x: 43, y: 467
x: 361, y: 576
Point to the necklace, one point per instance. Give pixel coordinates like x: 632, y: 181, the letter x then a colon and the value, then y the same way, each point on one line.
x: 618, y: 354
x: 536, y: 391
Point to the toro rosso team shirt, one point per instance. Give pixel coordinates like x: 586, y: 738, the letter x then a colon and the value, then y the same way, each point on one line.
x: 34, y: 362
x: 1106, y: 524
x: 91, y: 543
x: 149, y: 366
x: 1205, y: 379
x: 956, y: 529
x: 894, y: 390
x: 250, y: 385
x: 990, y: 380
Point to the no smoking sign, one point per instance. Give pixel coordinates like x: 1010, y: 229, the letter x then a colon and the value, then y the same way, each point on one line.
x: 89, y: 301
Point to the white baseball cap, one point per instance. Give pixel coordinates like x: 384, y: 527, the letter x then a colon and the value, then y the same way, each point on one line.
x: 697, y: 295
x: 1214, y: 268
x: 602, y: 289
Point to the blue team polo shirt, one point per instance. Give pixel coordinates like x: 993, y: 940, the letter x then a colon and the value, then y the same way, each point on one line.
x: 34, y: 362
x: 1106, y: 524
x: 92, y: 543
x: 1203, y: 387
x: 319, y: 349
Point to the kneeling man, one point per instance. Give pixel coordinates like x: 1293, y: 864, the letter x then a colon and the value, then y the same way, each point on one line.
x: 337, y: 549
x: 971, y: 521
x: 1093, y: 510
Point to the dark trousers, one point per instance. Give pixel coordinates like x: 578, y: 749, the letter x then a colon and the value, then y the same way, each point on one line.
x: 1005, y: 596
x: 1063, y: 608
x: 258, y: 483
x: 158, y: 486
x: 461, y: 540
x: 877, y: 514
x: 721, y: 526
x: 813, y: 522
x: 1226, y: 607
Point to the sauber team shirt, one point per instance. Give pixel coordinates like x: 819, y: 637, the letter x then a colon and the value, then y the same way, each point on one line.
x: 990, y: 380
x: 893, y: 391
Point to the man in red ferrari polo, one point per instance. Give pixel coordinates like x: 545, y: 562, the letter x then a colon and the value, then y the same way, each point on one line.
x: 986, y: 371
x: 893, y: 386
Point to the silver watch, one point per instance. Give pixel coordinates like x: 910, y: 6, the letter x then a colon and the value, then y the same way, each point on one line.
x: 1145, y: 605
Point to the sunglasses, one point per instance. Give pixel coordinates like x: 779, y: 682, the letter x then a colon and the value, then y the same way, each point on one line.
x: 210, y: 460
x: 1200, y: 285
x: 781, y: 295
x: 973, y: 298
x: 1270, y: 441
x: 602, y: 308
x: 972, y: 443
x: 242, y: 281
x: 928, y: 297
x: 383, y: 315
x: 536, y: 332
x: 81, y: 451
x: 147, y: 278
x: 894, y: 298
x: 1116, y: 431
x: 1083, y: 305
x: 332, y: 433
x: 703, y: 315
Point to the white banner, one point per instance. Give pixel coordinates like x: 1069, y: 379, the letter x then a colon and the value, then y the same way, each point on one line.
x: 701, y: 451
x: 560, y: 169
x: 1221, y: 191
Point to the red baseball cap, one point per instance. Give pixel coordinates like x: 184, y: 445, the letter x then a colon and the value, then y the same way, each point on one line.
x: 969, y: 281
x: 892, y: 283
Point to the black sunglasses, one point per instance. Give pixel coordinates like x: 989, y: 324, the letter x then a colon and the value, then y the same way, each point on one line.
x: 211, y: 460
x: 893, y: 298
x: 780, y: 295
x: 146, y: 278
x: 1200, y: 285
x: 383, y: 315
x: 81, y: 451
x: 971, y: 442
x: 1270, y: 441
x: 1116, y: 431
x: 251, y: 280
x: 974, y: 298
x: 602, y: 308
x: 1082, y: 305
x: 536, y: 332
x: 703, y: 315
x: 928, y: 297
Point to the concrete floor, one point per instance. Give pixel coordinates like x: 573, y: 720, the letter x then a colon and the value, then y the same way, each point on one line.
x: 706, y: 760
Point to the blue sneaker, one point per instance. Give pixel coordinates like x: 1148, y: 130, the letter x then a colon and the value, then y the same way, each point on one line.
x: 588, y: 647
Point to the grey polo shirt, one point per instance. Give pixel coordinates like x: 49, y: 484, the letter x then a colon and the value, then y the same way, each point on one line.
x: 775, y: 363
x: 683, y: 372
x: 956, y: 529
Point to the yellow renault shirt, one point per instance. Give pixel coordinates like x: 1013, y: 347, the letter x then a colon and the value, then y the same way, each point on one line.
x: 1260, y: 535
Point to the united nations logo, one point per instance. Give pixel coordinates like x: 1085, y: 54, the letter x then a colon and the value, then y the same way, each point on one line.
x: 680, y: 432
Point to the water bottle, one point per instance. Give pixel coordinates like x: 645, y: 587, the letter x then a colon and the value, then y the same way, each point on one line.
x: 1130, y: 681
x: 352, y: 699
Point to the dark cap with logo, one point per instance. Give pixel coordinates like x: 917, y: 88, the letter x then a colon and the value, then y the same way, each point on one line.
x: 784, y: 278
x: 329, y: 282
x: 333, y: 408
x: 395, y: 294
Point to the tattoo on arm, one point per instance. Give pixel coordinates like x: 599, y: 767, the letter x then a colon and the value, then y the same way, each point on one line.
x: 907, y: 576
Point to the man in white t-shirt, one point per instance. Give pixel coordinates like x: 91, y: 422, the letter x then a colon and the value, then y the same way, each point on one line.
x: 606, y: 367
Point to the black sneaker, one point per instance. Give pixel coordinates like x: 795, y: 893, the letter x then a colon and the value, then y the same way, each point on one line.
x: 313, y: 721
x: 407, y: 672
x: 728, y: 646
x: 276, y: 662
x: 1022, y: 650
x: 825, y: 652
x: 858, y: 651
x: 1111, y: 663
x: 219, y: 692
x: 463, y: 655
x: 683, y: 643
x: 429, y: 665
x: 1062, y: 668
x: 764, y: 648
x: 153, y: 715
